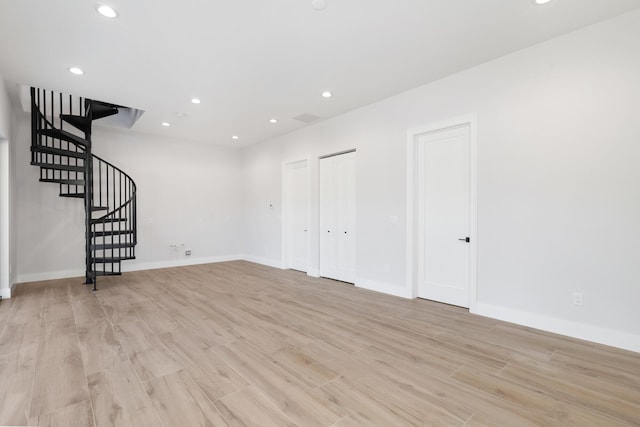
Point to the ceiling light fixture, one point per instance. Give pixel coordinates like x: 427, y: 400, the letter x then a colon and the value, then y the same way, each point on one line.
x: 235, y: 137
x: 166, y: 124
x: 195, y: 101
x: 273, y: 120
x: 106, y: 11
x: 542, y: 1
x: 77, y: 71
x: 327, y: 94
x: 319, y: 5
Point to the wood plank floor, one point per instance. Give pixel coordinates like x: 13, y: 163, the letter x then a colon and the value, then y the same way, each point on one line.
x: 235, y: 344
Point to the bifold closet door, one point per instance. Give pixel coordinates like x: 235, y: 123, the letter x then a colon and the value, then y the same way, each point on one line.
x: 346, y: 217
x: 337, y: 217
x: 328, y: 219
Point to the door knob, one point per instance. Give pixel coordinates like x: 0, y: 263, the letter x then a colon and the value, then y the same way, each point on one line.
x: 465, y: 239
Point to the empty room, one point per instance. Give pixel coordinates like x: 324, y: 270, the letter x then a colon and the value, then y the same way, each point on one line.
x: 320, y: 213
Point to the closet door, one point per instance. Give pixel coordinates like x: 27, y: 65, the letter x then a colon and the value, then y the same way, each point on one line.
x: 337, y: 217
x: 346, y: 217
x: 328, y: 219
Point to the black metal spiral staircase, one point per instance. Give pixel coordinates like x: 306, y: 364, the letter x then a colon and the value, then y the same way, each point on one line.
x: 65, y: 158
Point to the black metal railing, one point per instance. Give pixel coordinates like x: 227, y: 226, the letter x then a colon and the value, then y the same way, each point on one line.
x: 46, y: 110
x: 114, y: 233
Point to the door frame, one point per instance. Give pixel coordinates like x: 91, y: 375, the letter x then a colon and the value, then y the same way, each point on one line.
x: 413, y: 136
x: 285, y: 209
x: 5, y: 219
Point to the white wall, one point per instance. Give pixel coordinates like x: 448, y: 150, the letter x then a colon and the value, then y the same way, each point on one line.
x: 5, y: 135
x: 188, y: 193
x: 558, y: 182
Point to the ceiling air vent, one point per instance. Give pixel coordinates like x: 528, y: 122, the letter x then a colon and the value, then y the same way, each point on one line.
x: 306, y: 118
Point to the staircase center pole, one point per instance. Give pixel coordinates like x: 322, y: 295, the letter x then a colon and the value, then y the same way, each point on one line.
x: 88, y: 198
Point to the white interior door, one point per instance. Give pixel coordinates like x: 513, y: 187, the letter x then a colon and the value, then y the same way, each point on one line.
x: 346, y: 217
x: 444, y: 216
x: 297, y: 205
x: 337, y: 217
x: 328, y: 219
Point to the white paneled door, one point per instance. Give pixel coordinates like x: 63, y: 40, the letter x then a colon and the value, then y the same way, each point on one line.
x: 444, y: 215
x: 337, y: 217
x: 297, y: 216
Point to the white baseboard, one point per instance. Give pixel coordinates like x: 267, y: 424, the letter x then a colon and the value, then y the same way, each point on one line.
x: 313, y: 272
x: 385, y: 288
x: 183, y: 262
x: 264, y: 261
x: 569, y: 328
x: 127, y: 266
x: 50, y: 275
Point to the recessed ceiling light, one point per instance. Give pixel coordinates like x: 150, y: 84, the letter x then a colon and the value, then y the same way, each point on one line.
x: 327, y: 94
x: 235, y: 137
x: 195, y: 101
x: 166, y: 124
x: 319, y: 4
x: 542, y: 1
x: 77, y: 71
x: 273, y: 120
x: 106, y: 11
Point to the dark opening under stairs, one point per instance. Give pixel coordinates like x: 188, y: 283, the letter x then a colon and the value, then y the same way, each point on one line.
x: 61, y: 147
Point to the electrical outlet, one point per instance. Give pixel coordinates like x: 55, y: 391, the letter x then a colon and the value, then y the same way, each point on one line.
x: 578, y: 298
x: 187, y: 253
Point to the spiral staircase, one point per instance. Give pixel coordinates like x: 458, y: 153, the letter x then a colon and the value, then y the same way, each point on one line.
x: 61, y: 147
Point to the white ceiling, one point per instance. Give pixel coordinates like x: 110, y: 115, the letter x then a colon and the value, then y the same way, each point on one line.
x: 252, y: 60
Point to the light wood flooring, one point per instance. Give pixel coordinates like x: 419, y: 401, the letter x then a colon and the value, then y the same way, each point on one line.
x: 241, y: 344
